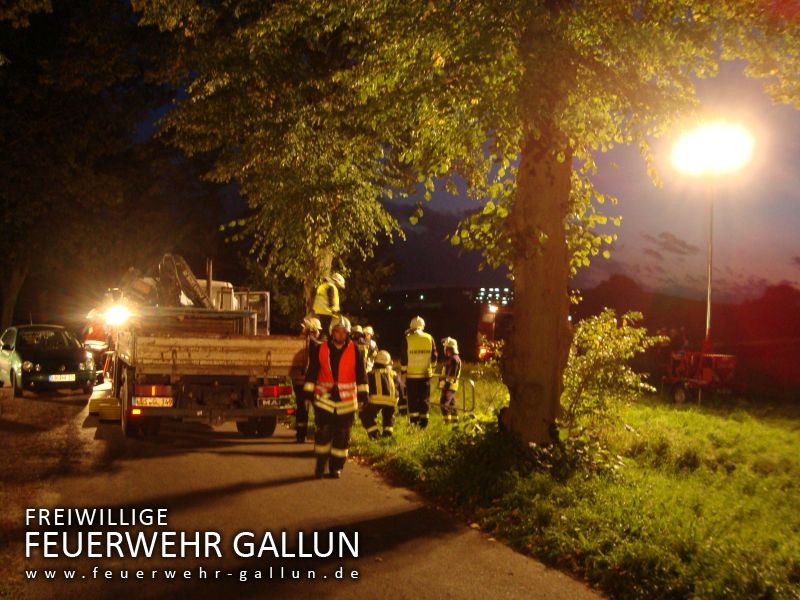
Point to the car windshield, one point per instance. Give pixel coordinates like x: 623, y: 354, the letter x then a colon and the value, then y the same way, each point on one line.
x: 46, y: 339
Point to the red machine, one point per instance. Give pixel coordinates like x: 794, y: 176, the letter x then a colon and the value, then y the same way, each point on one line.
x: 690, y: 372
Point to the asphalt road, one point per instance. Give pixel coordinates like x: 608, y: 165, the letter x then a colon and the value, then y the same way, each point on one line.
x: 212, y: 479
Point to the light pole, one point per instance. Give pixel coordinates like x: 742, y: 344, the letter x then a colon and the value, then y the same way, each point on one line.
x: 713, y: 149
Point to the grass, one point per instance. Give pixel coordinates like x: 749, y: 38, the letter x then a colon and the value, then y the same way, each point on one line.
x: 670, y: 502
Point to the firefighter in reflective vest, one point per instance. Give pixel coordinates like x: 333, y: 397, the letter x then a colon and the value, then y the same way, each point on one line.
x: 326, y: 302
x: 448, y: 380
x: 382, y: 382
x: 417, y: 364
x: 338, y: 384
x: 372, y: 346
x: 311, y: 329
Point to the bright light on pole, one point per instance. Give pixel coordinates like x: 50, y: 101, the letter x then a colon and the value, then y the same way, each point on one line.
x: 712, y: 149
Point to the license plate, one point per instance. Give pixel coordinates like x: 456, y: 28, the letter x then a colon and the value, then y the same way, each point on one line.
x: 70, y: 377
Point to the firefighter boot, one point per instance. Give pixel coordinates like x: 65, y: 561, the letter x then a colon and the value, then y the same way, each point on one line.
x: 319, y: 471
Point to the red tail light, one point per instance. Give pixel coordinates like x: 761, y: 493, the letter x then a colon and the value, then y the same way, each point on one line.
x: 152, y: 390
x: 289, y: 411
x: 274, y: 391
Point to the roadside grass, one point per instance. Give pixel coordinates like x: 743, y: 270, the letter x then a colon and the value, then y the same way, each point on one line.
x: 671, y: 501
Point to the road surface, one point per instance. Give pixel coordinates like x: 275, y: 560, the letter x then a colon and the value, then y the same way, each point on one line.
x: 214, y: 480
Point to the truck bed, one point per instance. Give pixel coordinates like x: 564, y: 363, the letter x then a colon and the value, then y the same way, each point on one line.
x: 212, y: 354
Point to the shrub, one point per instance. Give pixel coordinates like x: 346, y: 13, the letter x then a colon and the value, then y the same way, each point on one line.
x: 598, y: 378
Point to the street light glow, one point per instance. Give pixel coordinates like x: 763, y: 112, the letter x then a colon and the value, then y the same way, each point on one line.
x: 713, y: 148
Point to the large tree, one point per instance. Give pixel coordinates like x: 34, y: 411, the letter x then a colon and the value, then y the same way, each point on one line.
x: 516, y: 95
x: 73, y: 90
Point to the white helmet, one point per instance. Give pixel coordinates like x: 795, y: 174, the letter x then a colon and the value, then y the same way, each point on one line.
x: 383, y: 358
x: 340, y: 321
x: 358, y: 329
x: 312, y: 324
x: 337, y: 279
x: 449, y: 342
x: 368, y: 330
x: 417, y: 323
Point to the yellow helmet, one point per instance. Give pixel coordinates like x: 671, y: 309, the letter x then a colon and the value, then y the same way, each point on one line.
x: 358, y: 329
x: 368, y: 330
x: 383, y: 358
x: 340, y: 321
x: 417, y: 323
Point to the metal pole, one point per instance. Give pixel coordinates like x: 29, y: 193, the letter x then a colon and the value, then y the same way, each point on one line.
x: 707, y: 343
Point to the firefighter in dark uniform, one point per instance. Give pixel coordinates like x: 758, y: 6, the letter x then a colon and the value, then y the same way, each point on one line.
x: 448, y: 380
x: 311, y: 329
x: 326, y: 301
x: 382, y: 382
x: 417, y: 364
x: 338, y: 384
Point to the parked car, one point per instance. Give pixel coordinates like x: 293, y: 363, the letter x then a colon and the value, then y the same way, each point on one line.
x: 44, y: 357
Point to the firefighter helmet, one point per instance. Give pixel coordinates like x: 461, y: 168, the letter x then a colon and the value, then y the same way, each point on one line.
x: 417, y: 323
x: 340, y: 321
x: 452, y: 343
x: 337, y: 279
x: 368, y: 330
x: 312, y: 324
x: 358, y: 329
x: 383, y: 358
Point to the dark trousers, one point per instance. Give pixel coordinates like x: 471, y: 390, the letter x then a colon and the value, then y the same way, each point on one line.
x: 332, y: 438
x: 301, y: 413
x: 369, y: 418
x: 448, y: 405
x: 419, y: 400
x: 325, y: 321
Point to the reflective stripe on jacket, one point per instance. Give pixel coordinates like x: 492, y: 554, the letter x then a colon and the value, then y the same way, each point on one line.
x: 382, y: 390
x: 345, y: 381
x: 326, y: 302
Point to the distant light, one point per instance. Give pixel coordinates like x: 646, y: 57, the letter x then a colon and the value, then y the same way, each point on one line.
x: 422, y: 296
x: 389, y: 307
x: 492, y: 308
x: 117, y: 315
x: 379, y: 300
x: 713, y: 148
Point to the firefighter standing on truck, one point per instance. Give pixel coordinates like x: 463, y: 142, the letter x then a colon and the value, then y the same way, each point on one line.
x: 326, y: 302
x: 417, y: 364
x: 338, y: 384
x: 382, y: 382
x: 448, y: 380
x: 311, y: 329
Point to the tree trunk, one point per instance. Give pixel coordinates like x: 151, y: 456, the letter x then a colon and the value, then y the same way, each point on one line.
x: 321, y: 266
x: 15, y: 276
x: 541, y: 337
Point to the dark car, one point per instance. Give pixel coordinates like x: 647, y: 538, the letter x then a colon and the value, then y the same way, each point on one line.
x: 44, y: 357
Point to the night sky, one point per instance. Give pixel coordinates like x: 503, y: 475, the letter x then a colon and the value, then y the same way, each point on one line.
x: 662, y: 241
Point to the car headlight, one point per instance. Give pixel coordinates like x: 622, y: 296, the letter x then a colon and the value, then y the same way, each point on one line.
x: 27, y: 366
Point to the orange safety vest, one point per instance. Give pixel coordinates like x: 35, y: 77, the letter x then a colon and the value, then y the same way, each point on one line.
x: 345, y: 383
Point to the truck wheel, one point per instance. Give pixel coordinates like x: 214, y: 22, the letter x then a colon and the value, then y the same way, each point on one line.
x: 129, y: 428
x: 247, y: 428
x: 679, y: 394
x: 266, y: 426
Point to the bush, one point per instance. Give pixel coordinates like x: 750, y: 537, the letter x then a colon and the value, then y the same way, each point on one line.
x: 597, y: 378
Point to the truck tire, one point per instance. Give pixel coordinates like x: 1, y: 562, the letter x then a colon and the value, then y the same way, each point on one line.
x: 266, y: 426
x: 679, y: 393
x: 247, y: 428
x: 129, y: 429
